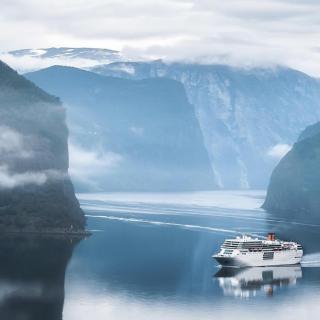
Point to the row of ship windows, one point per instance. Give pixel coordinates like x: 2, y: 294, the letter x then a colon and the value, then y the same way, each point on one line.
x: 248, y: 243
x: 256, y: 245
x: 259, y: 247
x: 227, y: 243
x: 257, y: 250
x: 250, y: 247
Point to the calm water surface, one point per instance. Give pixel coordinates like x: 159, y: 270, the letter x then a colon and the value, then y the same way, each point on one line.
x: 150, y: 258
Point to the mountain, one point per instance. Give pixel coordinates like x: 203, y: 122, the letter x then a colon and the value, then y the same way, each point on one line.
x: 26, y: 60
x: 137, y: 135
x: 248, y: 117
x: 100, y: 55
x: 295, y: 183
x: 36, y: 193
x: 310, y: 131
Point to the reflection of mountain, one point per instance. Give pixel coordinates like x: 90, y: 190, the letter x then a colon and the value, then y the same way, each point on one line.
x: 148, y: 261
x: 32, y: 277
x: 247, y: 282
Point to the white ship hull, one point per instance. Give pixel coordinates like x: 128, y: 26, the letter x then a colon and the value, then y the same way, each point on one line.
x: 255, y: 259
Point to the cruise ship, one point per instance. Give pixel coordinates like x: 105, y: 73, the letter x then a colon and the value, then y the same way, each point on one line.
x: 246, y: 251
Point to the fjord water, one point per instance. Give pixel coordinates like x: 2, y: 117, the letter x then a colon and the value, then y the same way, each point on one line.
x: 149, y: 257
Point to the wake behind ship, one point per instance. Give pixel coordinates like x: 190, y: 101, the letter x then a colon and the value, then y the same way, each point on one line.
x: 246, y: 251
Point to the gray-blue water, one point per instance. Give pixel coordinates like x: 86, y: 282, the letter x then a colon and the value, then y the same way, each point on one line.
x: 150, y: 258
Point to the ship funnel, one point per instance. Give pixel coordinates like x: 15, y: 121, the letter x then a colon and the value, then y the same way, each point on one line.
x: 271, y: 236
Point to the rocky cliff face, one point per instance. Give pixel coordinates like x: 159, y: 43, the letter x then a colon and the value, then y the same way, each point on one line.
x: 310, y: 131
x: 140, y: 135
x: 36, y: 193
x: 246, y: 116
x: 295, y: 183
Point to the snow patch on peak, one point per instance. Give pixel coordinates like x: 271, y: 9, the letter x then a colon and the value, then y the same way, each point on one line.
x: 25, y: 60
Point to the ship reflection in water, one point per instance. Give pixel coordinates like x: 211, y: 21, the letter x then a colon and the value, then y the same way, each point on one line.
x: 249, y: 282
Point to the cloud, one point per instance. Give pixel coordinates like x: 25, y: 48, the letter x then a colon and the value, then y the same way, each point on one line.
x: 86, y: 165
x: 235, y: 32
x: 124, y: 68
x: 279, y: 151
x: 9, y: 180
x: 12, y: 144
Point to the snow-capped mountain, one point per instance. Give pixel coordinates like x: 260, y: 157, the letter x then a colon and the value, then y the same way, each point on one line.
x: 249, y: 118
x: 33, y: 59
x: 95, y: 54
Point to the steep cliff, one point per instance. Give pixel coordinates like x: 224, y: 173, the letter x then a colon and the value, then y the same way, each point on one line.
x: 144, y: 133
x: 36, y: 193
x: 294, y: 188
x: 246, y: 115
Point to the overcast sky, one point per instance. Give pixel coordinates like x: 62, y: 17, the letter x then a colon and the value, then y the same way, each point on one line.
x: 237, y: 32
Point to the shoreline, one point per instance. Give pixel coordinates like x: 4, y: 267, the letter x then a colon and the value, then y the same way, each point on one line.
x: 84, y: 233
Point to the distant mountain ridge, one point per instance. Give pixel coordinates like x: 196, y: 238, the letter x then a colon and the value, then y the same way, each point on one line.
x: 146, y: 130
x: 244, y: 114
x: 97, y: 54
x: 248, y: 117
x: 26, y: 60
x: 36, y: 193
